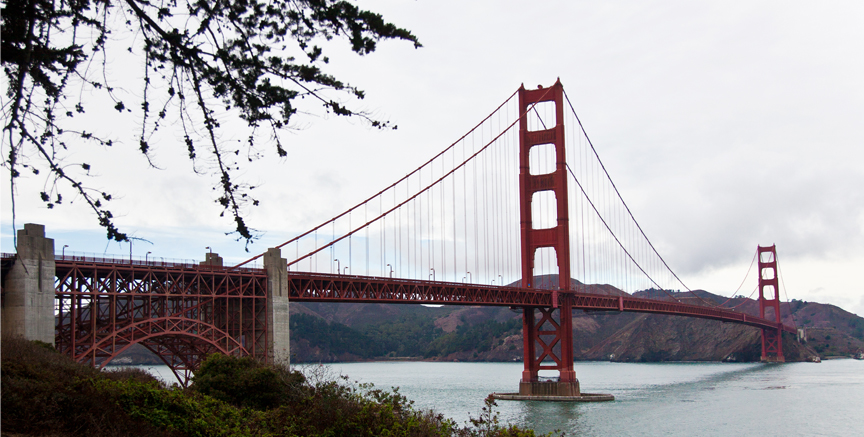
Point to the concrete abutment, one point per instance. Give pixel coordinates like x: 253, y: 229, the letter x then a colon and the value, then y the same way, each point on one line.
x: 278, y: 334
x: 28, y: 289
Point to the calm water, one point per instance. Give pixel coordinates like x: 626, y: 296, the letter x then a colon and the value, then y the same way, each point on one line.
x: 708, y: 399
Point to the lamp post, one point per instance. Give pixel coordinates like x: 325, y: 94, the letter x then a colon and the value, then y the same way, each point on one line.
x: 391, y: 270
x: 210, y: 257
x: 147, y: 257
x: 338, y: 266
x: 63, y: 252
x: 432, y: 275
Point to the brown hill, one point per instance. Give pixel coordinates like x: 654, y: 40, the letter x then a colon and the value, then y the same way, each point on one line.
x: 625, y: 336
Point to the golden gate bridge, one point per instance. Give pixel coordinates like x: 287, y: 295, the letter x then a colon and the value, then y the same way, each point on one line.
x: 522, y: 195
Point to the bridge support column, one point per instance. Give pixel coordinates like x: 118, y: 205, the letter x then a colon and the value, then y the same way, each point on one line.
x: 278, y: 328
x: 555, y: 341
x: 769, y: 298
x: 28, y: 289
x: 546, y: 340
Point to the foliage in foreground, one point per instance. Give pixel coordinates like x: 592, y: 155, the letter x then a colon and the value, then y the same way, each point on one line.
x: 45, y: 393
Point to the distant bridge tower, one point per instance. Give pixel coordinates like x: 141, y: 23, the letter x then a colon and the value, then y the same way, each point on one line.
x: 769, y: 297
x: 544, y: 337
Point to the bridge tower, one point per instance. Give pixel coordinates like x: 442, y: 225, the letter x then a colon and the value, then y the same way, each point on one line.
x: 547, y: 338
x: 769, y: 298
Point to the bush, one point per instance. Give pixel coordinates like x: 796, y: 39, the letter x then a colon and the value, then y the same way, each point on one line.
x: 487, y: 425
x: 46, y: 393
x: 246, y: 382
x: 189, y: 413
x: 131, y: 373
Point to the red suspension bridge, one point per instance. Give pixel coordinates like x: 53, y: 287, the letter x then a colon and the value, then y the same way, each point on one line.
x: 508, y: 202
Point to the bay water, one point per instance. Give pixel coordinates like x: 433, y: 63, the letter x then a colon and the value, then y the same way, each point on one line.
x: 693, y: 399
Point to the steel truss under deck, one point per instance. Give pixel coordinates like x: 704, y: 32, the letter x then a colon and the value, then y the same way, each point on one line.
x: 181, y: 313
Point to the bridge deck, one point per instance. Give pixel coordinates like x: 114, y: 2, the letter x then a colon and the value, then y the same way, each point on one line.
x: 315, y: 287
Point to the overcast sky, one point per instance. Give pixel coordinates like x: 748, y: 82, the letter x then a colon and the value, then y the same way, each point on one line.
x: 724, y: 124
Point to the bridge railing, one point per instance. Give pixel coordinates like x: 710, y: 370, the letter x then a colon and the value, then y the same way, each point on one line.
x: 118, y: 259
x: 79, y: 257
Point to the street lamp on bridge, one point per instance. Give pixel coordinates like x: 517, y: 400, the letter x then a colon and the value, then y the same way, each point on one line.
x: 63, y: 252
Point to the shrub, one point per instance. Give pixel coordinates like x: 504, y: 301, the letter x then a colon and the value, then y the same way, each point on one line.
x: 189, y: 413
x: 46, y: 393
x: 246, y: 382
x: 488, y: 425
x: 131, y: 373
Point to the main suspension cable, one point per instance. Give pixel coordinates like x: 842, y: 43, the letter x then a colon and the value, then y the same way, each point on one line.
x: 616, y: 237
x: 573, y: 110
x: 416, y: 195
x: 742, y: 282
x: 385, y: 189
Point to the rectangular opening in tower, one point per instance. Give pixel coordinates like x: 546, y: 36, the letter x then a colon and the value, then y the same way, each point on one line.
x: 768, y: 292
x: 541, y: 159
x: 766, y: 257
x: 544, y: 210
x: 541, y: 116
x: 546, y: 268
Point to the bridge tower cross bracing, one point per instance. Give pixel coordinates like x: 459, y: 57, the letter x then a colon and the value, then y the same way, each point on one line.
x: 547, y: 333
x: 769, y: 297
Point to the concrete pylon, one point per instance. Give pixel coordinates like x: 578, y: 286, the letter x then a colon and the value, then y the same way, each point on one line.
x: 211, y: 259
x: 28, y: 304
x: 278, y: 328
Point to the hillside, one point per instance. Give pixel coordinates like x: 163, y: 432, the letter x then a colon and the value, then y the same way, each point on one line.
x: 494, y: 334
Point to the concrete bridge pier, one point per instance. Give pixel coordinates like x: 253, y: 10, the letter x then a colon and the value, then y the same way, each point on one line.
x: 278, y: 337
x: 28, y: 289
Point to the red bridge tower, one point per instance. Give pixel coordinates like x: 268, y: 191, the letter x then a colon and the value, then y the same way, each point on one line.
x: 769, y: 298
x: 546, y: 339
